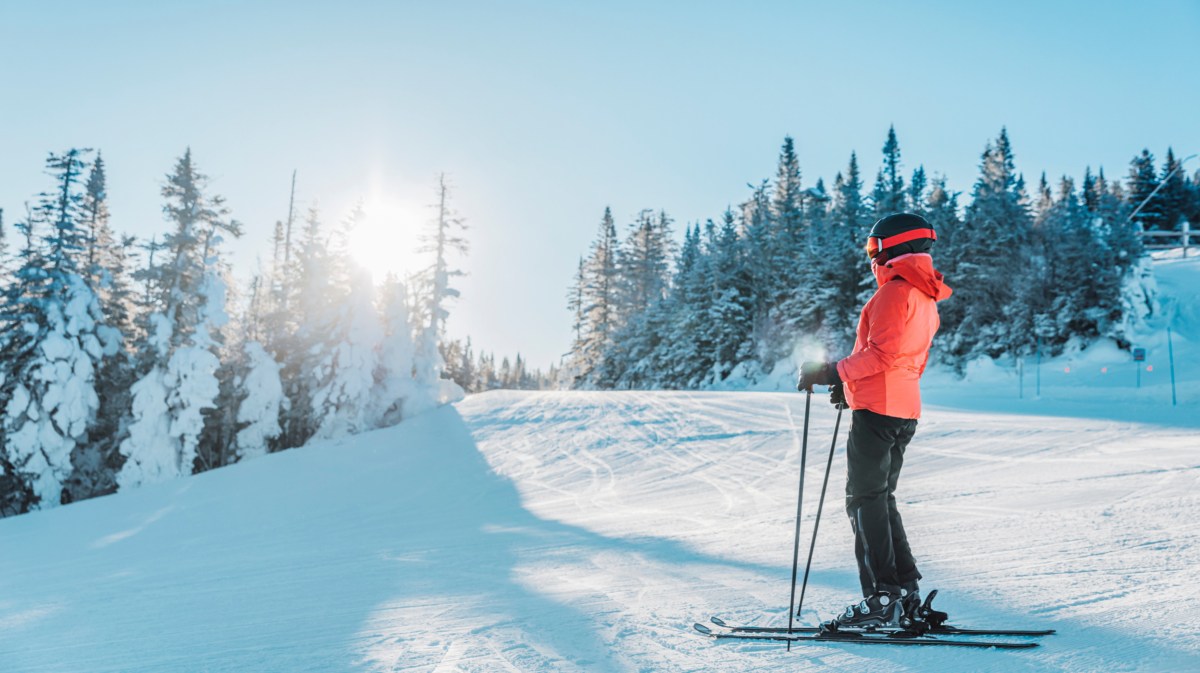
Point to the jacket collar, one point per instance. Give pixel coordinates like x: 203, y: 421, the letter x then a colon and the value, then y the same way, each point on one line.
x: 917, y: 269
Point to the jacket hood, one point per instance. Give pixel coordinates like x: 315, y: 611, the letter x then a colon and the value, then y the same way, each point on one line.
x: 916, y: 268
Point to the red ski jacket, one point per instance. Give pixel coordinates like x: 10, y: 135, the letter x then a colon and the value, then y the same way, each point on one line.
x: 895, y: 330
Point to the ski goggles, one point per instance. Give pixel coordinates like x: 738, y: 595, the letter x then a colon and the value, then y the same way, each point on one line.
x: 877, y: 244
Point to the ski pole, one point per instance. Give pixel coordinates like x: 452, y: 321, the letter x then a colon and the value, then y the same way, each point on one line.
x: 799, y: 505
x: 820, y: 506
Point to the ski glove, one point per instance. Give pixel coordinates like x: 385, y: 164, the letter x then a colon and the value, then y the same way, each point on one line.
x: 817, y: 374
x: 837, y: 397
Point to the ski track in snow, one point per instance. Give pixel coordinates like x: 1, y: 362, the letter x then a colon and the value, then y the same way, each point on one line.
x: 577, y: 531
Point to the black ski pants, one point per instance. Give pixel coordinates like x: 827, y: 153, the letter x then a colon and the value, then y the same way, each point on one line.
x: 874, y: 456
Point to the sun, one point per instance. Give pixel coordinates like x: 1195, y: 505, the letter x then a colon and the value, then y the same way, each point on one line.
x: 387, y: 239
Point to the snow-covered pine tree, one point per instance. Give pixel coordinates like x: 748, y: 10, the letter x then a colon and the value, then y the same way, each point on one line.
x: 788, y: 202
x: 831, y: 301
x: 643, y: 261
x: 575, y: 304
x: 1192, y: 210
x: 916, y: 191
x: 941, y: 210
x: 319, y: 285
x: 183, y: 339
x: 760, y: 236
x: 106, y: 272
x: 786, y: 258
x: 487, y: 372
x: 1174, y: 192
x: 1143, y: 180
x: 889, y: 195
x: 345, y: 333
x: 468, y: 368
x: 1086, y: 276
x: 261, y: 401
x: 396, y: 395
x: 1088, y: 190
x: 443, y: 239
x: 49, y: 346
x: 731, y: 313
x: 687, y: 352
x: 600, y: 306
x: 989, y: 316
x: 4, y: 261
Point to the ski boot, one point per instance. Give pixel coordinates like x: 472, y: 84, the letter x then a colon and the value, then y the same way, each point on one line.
x: 882, y: 608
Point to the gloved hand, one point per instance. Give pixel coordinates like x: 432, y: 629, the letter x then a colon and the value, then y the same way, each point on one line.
x: 837, y: 396
x: 817, y: 374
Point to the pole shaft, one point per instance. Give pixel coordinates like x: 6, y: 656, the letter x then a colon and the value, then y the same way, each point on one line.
x: 799, y: 506
x: 1171, y: 359
x: 820, y: 506
x: 1039, y: 368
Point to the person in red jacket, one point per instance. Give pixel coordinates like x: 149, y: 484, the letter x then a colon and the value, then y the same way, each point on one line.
x: 880, y: 382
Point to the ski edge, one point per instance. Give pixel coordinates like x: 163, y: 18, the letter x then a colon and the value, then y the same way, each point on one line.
x: 860, y: 639
x: 940, y: 631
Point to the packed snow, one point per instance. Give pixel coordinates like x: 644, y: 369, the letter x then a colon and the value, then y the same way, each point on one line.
x: 587, y: 531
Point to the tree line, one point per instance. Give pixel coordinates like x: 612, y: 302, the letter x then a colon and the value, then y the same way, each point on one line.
x: 125, y: 362
x: 1050, y: 263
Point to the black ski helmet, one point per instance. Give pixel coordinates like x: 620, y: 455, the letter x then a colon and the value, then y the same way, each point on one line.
x: 899, y: 234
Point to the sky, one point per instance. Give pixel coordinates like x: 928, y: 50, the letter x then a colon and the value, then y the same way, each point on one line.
x: 543, y: 113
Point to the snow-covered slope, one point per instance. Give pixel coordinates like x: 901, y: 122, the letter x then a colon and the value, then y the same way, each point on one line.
x: 586, y: 531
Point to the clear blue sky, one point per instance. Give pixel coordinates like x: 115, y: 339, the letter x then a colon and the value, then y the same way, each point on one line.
x: 545, y: 112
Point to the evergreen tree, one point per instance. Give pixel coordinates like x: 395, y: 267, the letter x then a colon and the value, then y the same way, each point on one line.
x: 184, y: 338
x: 319, y: 286
x: 1192, y: 209
x: 731, y: 310
x: 988, y: 317
x: 106, y: 272
x: 395, y: 394
x: 788, y: 217
x: 687, y: 349
x: 1174, y: 197
x: 889, y: 195
x: 644, y: 265
x: 916, y: 191
x: 261, y: 401
x: 5, y: 260
x: 833, y: 300
x: 1089, y: 191
x: 49, y: 346
x: 600, y: 305
x: 1143, y: 181
x: 443, y: 240
x: 762, y: 238
x: 345, y: 375
x: 575, y: 304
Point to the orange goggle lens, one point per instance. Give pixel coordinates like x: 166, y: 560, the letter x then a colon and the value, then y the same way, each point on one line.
x: 876, y: 245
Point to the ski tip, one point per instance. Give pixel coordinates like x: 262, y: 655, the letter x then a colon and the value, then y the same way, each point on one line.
x: 702, y: 629
x: 718, y: 621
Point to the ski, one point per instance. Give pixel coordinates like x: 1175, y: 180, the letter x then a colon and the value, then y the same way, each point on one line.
x: 942, y: 630
x: 860, y: 639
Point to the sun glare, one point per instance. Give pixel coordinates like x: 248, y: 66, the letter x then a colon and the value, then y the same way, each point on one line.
x: 386, y: 240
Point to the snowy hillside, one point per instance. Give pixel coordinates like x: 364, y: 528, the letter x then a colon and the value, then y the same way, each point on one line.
x: 586, y: 531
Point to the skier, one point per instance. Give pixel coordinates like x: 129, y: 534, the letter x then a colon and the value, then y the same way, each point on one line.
x: 880, y: 382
